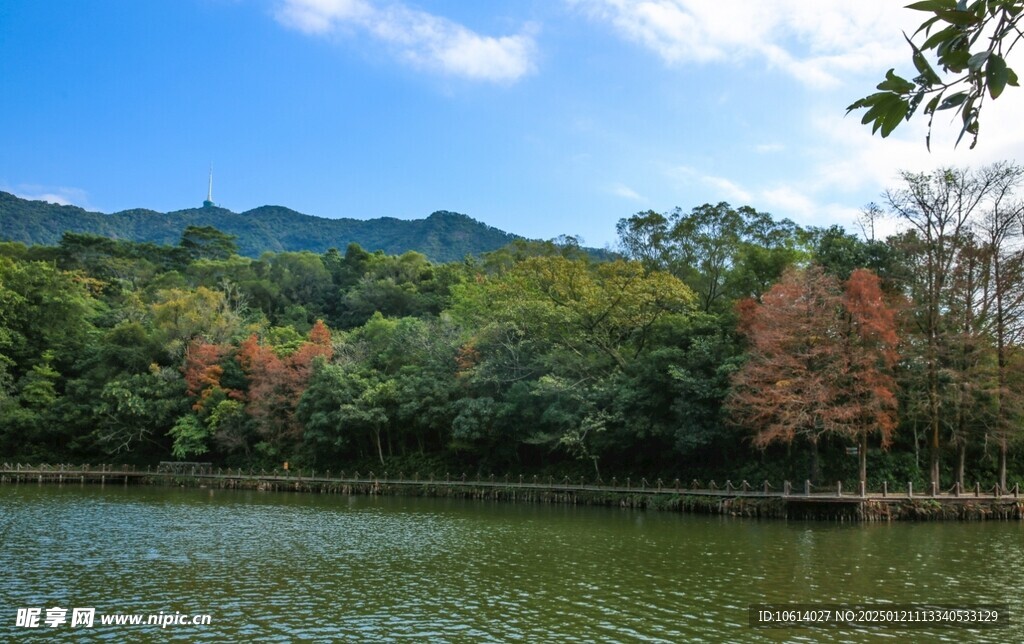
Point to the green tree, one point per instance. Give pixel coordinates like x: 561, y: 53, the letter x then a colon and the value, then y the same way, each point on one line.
x: 137, y: 410
x: 181, y: 316
x: 190, y: 436
x: 345, y: 409
x: 722, y: 253
x: 44, y: 309
x: 558, y: 333
x: 206, y: 242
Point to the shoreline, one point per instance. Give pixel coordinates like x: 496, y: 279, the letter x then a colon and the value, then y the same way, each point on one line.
x: 736, y: 503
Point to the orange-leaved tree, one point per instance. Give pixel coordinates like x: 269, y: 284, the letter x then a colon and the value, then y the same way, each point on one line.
x: 868, y: 389
x: 819, y: 362
x: 276, y: 383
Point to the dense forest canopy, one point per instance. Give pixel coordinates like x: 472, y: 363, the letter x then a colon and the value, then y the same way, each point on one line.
x: 720, y: 342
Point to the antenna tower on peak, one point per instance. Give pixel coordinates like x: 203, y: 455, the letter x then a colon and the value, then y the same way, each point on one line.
x: 209, y: 192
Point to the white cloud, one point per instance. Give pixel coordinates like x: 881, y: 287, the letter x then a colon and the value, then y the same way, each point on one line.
x: 60, y: 195
x: 624, y: 191
x: 722, y: 188
x: 845, y: 166
x: 789, y: 200
x: 803, y: 200
x: 321, y: 16
x: 832, y: 165
x: 60, y: 200
x: 726, y: 187
x: 815, y: 42
x: 424, y: 40
x: 856, y: 157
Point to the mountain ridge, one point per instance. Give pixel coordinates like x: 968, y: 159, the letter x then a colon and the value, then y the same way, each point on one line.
x: 442, y: 236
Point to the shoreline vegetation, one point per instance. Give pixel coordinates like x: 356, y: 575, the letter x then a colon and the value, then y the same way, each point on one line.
x: 720, y: 342
x: 741, y: 501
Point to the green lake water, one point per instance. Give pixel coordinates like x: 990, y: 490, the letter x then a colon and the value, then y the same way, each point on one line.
x: 286, y: 567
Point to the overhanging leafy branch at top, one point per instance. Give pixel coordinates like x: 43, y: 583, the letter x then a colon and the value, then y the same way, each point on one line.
x: 970, y: 42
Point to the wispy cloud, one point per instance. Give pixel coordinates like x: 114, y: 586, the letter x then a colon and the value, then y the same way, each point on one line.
x: 814, y: 42
x: 624, y: 191
x: 803, y: 201
x: 722, y: 187
x: 422, y: 39
x: 792, y: 201
x: 845, y: 167
x: 60, y: 195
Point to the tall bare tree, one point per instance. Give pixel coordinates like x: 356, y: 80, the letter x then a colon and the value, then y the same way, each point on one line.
x: 1000, y: 230
x: 941, y: 209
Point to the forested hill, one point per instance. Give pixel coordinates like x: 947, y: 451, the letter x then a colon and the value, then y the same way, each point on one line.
x: 442, y: 237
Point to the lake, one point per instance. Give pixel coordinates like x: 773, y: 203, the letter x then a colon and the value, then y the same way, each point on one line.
x: 283, y: 566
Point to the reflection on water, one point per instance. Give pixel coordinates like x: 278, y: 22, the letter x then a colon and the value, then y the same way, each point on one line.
x: 290, y: 567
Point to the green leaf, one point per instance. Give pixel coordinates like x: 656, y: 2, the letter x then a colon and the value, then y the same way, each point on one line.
x: 1011, y: 78
x: 879, y: 109
x: 940, y: 36
x: 967, y: 111
x: 928, y: 74
x: 971, y: 125
x: 953, y: 100
x: 977, y: 60
x: 922, y: 65
x: 996, y: 75
x: 955, y: 61
x: 914, y: 103
x: 868, y: 101
x: 857, y: 104
x: 959, y: 18
x: 893, y: 117
x: 932, y: 5
x: 926, y: 26
x: 895, y: 84
x: 932, y: 104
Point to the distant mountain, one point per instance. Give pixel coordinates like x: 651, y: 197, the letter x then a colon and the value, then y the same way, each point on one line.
x: 443, y: 236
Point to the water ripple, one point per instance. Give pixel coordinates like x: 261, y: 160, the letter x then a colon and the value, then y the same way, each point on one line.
x: 283, y: 567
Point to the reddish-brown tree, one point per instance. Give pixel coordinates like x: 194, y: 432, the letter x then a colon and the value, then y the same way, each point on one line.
x: 202, y: 371
x: 276, y: 383
x: 270, y: 391
x: 318, y: 345
x: 819, y: 362
x: 868, y: 391
x: 784, y: 391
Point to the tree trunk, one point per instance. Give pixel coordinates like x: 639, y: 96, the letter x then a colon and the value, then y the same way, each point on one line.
x: 1002, y: 464
x: 863, y: 454
x: 815, y: 466
x: 933, y: 405
x: 380, y: 450
x: 1002, y: 427
x: 917, y: 445
x: 961, y: 454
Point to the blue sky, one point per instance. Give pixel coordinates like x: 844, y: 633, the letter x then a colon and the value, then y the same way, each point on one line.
x: 540, y: 117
